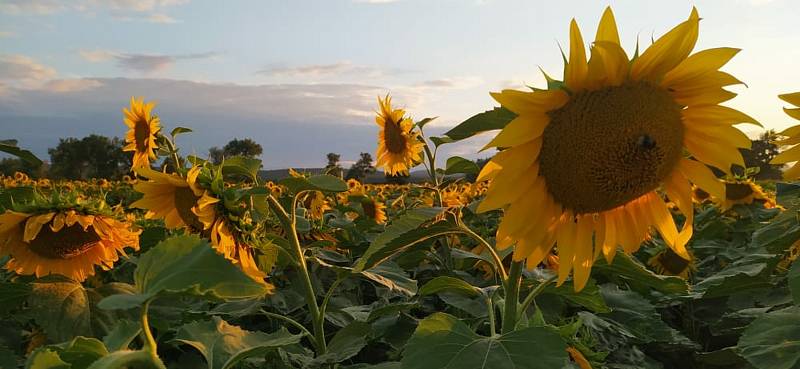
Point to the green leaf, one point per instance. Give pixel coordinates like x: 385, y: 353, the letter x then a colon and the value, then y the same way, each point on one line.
x: 457, y: 164
x: 224, y: 345
x: 8, y: 359
x: 10, y: 147
x: 402, y: 233
x: 240, y: 165
x: 123, y: 301
x: 81, y: 351
x: 773, y: 340
x: 496, y: 118
x: 589, y: 297
x: 122, y: 335
x: 347, y: 343
x: 393, y: 277
x: 439, y: 141
x: 425, y: 121
x: 179, y: 130
x: 45, y: 359
x: 794, y: 282
x: 748, y: 273
x: 13, y: 294
x: 324, y: 183
x: 188, y: 264
x: 445, y: 283
x: 633, y: 272
x: 443, y: 342
x: 61, y: 308
x: 128, y: 359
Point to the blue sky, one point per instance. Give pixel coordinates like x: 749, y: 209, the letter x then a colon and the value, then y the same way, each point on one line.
x: 301, y: 77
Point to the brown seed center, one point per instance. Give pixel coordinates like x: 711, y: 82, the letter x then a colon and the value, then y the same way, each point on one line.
x: 737, y: 191
x: 395, y: 140
x: 607, y: 147
x: 142, y: 132
x: 185, y: 200
x: 67, y: 243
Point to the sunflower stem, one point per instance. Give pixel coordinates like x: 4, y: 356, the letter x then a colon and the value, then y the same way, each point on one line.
x: 150, y: 342
x: 498, y: 261
x: 512, y: 297
x: 288, y: 220
x: 532, y: 295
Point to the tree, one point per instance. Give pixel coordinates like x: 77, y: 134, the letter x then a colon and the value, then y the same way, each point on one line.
x: 333, y: 168
x: 761, y: 152
x: 9, y: 166
x: 236, y: 147
x: 93, y: 156
x: 362, y: 167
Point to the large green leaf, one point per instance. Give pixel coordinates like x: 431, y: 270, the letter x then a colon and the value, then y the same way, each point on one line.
x: 773, y: 340
x: 10, y: 147
x: 496, y: 118
x: 13, y: 294
x: 346, y: 343
x: 443, y: 342
x: 324, y: 183
x: 241, y: 166
x: 632, y: 271
x: 224, y: 345
x: 778, y: 235
x: 748, y: 273
x: 45, y: 359
x: 457, y: 164
x: 124, y: 332
x: 189, y: 264
x: 128, y: 359
x: 404, y: 232
x: 794, y: 282
x: 81, y: 352
x: 445, y: 283
x: 61, y: 307
x: 393, y: 277
x: 589, y: 297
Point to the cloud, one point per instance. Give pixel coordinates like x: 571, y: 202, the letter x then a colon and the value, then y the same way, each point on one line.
x: 322, y: 70
x: 71, y: 85
x: 143, y: 63
x: 22, y: 71
x: 118, y: 9
x: 6, y: 34
x: 454, y: 83
x: 31, y: 6
x: 161, y: 18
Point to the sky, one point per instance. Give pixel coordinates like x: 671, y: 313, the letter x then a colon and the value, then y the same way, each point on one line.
x: 302, y: 77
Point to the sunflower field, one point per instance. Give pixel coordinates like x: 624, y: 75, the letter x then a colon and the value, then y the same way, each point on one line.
x: 608, y: 230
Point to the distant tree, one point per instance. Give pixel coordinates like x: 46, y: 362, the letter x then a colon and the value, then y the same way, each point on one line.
x: 236, y: 147
x: 398, y: 178
x: 362, y: 167
x: 93, y: 156
x: 333, y: 168
x: 9, y: 166
x: 759, y: 155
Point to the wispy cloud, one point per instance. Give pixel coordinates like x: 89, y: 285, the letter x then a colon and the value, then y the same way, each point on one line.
x: 322, y: 70
x: 71, y: 85
x: 6, y: 34
x: 152, y: 11
x: 31, y: 6
x: 143, y: 63
x: 22, y: 71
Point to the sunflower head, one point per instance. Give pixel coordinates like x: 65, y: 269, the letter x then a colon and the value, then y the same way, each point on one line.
x: 66, y: 242
x: 791, y: 137
x: 668, y: 262
x: 584, y: 162
x: 181, y: 202
x: 744, y: 192
x: 374, y: 209
x: 143, y: 127
x: 399, y: 145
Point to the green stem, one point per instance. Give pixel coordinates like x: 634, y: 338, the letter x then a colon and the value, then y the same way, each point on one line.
x: 174, y: 153
x: 290, y: 225
x: 291, y: 321
x: 512, y: 297
x: 532, y: 295
x: 498, y: 262
x: 324, y: 307
x: 492, y: 323
x: 150, y: 342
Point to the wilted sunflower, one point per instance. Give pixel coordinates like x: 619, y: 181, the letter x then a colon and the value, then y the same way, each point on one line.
x: 792, y: 135
x: 177, y: 200
x: 667, y: 262
x: 143, y: 127
x: 316, y: 205
x: 399, y: 147
x: 744, y: 192
x: 63, y: 242
x: 229, y: 244
x: 582, y: 160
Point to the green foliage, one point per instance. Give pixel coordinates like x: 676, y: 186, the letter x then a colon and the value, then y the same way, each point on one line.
x: 93, y: 156
x: 490, y: 120
x: 773, y: 340
x: 324, y: 183
x: 10, y: 147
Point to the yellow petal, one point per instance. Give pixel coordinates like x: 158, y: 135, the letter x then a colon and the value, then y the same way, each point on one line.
x: 583, y: 253
x: 721, y: 155
x: 577, y: 69
x: 787, y: 156
x: 536, y: 102
x: 34, y: 225
x: 702, y: 176
x: 793, y: 98
x: 712, y: 132
x: 668, y: 51
x: 715, y: 114
x: 607, y: 29
x: 522, y: 129
x: 699, y: 64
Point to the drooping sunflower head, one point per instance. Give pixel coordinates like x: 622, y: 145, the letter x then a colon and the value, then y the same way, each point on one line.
x: 64, y: 242
x: 399, y: 145
x: 229, y: 242
x: 143, y: 126
x: 374, y: 209
x: 316, y: 205
x: 791, y: 137
x: 744, y: 192
x: 582, y: 162
x: 181, y: 202
x: 667, y: 262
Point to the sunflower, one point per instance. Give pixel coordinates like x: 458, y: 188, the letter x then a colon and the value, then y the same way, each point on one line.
x: 177, y: 200
x: 792, y: 135
x: 582, y: 161
x: 744, y: 192
x: 63, y: 242
x: 667, y: 262
x: 228, y: 243
x: 316, y: 205
x: 374, y: 209
x: 399, y: 145
x: 143, y: 128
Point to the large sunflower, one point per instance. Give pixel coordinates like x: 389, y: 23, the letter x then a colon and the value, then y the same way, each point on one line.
x: 143, y: 127
x: 399, y: 147
x: 582, y: 161
x: 792, y: 135
x: 744, y: 192
x: 177, y: 200
x: 63, y: 242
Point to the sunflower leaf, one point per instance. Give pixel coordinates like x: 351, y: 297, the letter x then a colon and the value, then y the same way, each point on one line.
x: 441, y: 341
x: 773, y: 340
x: 241, y: 166
x: 445, y: 283
x: 489, y: 120
x: 457, y: 164
x: 179, y: 130
x: 10, y: 147
x: 324, y: 183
